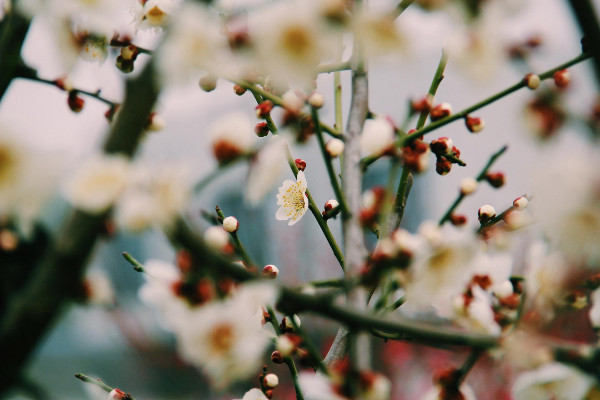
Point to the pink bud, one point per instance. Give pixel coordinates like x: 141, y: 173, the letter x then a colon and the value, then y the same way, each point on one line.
x: 75, y: 102
x: 270, y: 271
x: 441, y: 146
x: 440, y: 111
x: 474, y: 124
x: 496, y: 179
x: 562, y: 78
x: 261, y: 129
x: 520, y: 203
x: 300, y: 164
x: 264, y: 108
x: 239, y: 90
x: 443, y: 166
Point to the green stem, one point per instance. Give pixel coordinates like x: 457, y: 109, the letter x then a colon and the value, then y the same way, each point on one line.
x: 257, y: 91
x: 455, y: 160
x: 328, y: 163
x: 289, y: 361
x: 404, y: 4
x: 327, y: 283
x: 497, y: 218
x: 334, y: 67
x: 519, y: 85
x: 137, y: 266
x: 97, y: 382
x: 236, y: 240
x: 480, y: 177
x: 310, y: 346
x: 468, y: 365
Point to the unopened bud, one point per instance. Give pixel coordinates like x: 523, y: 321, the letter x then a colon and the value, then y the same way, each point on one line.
x: 129, y: 52
x: 117, y: 394
x: 520, y: 203
x: 64, y: 84
x: 264, y: 108
x: 125, y: 66
x: 474, y: 124
x: 422, y: 105
x: 287, y: 326
x: 8, y: 240
x: 441, y: 146
x: 316, y: 100
x: 285, y: 346
x: 330, y: 205
x: 216, y: 237
x: 468, y: 186
x: 277, y: 357
x: 208, y: 83
x: 532, y: 81
x: 75, y: 102
x: 155, y: 122
x: 271, y: 380
x: 486, y: 213
x: 334, y: 147
x: 270, y: 271
x: 443, y: 166
x: 458, y: 219
x: 496, y: 179
x: 261, y: 129
x: 440, y: 111
x: 300, y: 164
x: 231, y: 224
x: 239, y: 90
x: 562, y: 78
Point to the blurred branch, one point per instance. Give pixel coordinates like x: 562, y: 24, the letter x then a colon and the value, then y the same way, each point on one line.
x: 13, y: 30
x: 100, y: 384
x: 57, y: 281
x: 588, y: 22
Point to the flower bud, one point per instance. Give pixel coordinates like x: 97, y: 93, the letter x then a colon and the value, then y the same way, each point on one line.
x: 231, y: 224
x: 520, y: 203
x: 208, y: 83
x: 474, y: 124
x: 440, y: 111
x: 468, y: 186
x: 443, y: 166
x: 277, y: 357
x: 271, y: 380
x: 129, y: 52
x: 316, y: 100
x: 155, y: 122
x: 562, y: 78
x: 216, y: 237
x: 239, y: 90
x: 496, y: 179
x: 287, y: 326
x: 486, y: 213
x: 532, y: 81
x: 261, y: 129
x: 75, y: 102
x: 117, y: 394
x: 9, y: 241
x: 264, y: 108
x: 458, y: 219
x: 330, y: 205
x: 441, y: 146
x: 285, y: 346
x: 300, y: 164
x: 125, y: 66
x: 270, y: 271
x: 334, y: 147
x: 64, y: 84
x: 293, y: 101
x: 416, y: 156
x: 422, y: 105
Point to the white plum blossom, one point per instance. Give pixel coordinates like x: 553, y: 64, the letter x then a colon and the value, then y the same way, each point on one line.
x: 232, y: 136
x: 552, y: 381
x: 477, y: 314
x: 98, y: 183
x: 377, y: 136
x: 99, y: 288
x: 254, y: 394
x: 317, y: 387
x: 378, y: 33
x: 153, y: 14
x: 292, y: 199
x: 567, y: 202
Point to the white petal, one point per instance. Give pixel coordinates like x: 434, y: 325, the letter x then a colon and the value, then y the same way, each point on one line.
x: 301, y: 179
x: 282, y: 213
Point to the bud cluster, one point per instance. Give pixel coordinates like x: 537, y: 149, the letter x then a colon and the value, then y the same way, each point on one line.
x: 446, y: 154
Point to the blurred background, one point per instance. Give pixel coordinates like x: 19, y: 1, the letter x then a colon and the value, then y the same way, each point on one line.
x: 124, y: 345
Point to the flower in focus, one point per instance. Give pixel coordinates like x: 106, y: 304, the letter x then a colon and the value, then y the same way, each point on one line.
x: 552, y: 381
x: 292, y: 199
x: 98, y: 183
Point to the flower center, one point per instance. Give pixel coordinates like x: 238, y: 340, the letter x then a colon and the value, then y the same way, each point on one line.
x: 221, y: 338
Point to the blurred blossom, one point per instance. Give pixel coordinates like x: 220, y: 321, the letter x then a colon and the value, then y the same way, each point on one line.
x: 552, y: 381
x: 266, y: 169
x: 232, y: 136
x: 438, y: 393
x: 377, y: 136
x: 153, y: 14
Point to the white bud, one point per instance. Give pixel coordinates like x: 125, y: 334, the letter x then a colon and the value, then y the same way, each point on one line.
x: 532, y: 81
x: 116, y: 394
x: 285, y: 346
x: 504, y: 289
x: 486, y: 213
x: 270, y: 271
x: 293, y: 101
x: 316, y: 100
x: 216, y: 237
x: 157, y: 123
x: 331, y: 204
x: 271, y: 380
x: 335, y: 147
x: 468, y: 186
x: 231, y: 224
x: 520, y: 203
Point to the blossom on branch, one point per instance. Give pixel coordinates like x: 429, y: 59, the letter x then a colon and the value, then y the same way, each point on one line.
x: 292, y: 199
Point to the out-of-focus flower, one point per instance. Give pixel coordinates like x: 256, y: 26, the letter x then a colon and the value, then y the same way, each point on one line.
x: 377, y: 137
x: 98, y: 183
x: 567, y: 203
x: 254, y: 394
x: 292, y: 199
x: 438, y: 393
x: 292, y: 44
x: 153, y: 14
x: 99, y: 289
x: 552, y: 381
x: 231, y: 136
x: 370, y: 386
x: 377, y: 33
x: 266, y: 169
